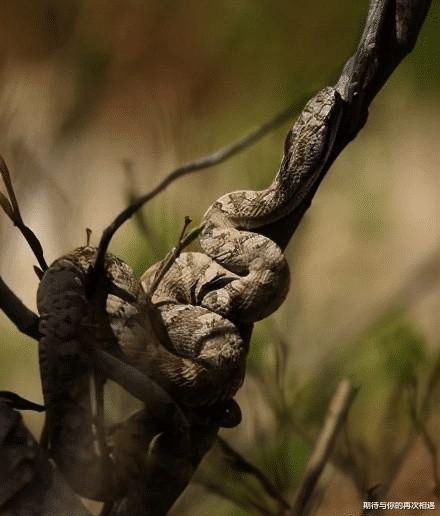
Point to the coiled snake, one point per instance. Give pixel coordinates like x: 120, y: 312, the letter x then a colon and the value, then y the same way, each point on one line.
x: 192, y: 336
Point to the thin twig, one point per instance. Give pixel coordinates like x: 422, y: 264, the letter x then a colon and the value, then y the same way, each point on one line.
x: 167, y: 262
x: 203, y: 163
x: 12, y: 210
x: 29, y: 482
x: 144, y: 227
x: 19, y: 403
x: 337, y: 412
x: 142, y: 387
x: 390, y: 33
x: 391, y: 30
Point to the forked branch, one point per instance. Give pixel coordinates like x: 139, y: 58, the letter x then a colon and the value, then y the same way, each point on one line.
x: 12, y: 210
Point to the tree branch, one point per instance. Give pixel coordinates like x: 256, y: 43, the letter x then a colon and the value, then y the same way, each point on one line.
x: 25, y: 320
x: 12, y: 210
x: 30, y: 484
x: 203, y: 163
x: 390, y: 33
x: 337, y: 412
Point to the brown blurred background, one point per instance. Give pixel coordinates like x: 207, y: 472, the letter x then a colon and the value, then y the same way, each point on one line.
x: 86, y: 84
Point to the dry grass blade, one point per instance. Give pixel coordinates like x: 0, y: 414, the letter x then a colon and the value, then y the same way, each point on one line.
x: 337, y: 412
x: 421, y: 428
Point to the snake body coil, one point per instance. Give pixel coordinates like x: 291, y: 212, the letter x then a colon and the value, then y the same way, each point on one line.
x: 192, y: 336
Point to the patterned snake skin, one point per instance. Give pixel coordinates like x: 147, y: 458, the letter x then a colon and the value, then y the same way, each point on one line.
x: 192, y: 335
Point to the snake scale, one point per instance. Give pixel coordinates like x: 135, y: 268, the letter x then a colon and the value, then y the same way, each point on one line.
x: 192, y: 335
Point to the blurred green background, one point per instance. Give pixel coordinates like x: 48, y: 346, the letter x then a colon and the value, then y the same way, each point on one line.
x: 87, y: 84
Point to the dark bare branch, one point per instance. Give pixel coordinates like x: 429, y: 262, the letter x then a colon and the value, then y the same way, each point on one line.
x: 200, y: 164
x: 29, y: 483
x: 391, y: 29
x: 390, y: 32
x: 12, y: 210
x: 17, y: 402
x: 25, y: 320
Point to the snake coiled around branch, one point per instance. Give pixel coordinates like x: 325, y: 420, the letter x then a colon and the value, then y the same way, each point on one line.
x: 191, y: 335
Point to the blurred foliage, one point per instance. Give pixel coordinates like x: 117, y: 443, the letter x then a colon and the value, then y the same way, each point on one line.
x: 426, y: 72
x: 92, y: 66
x: 381, y: 363
x: 389, y: 363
